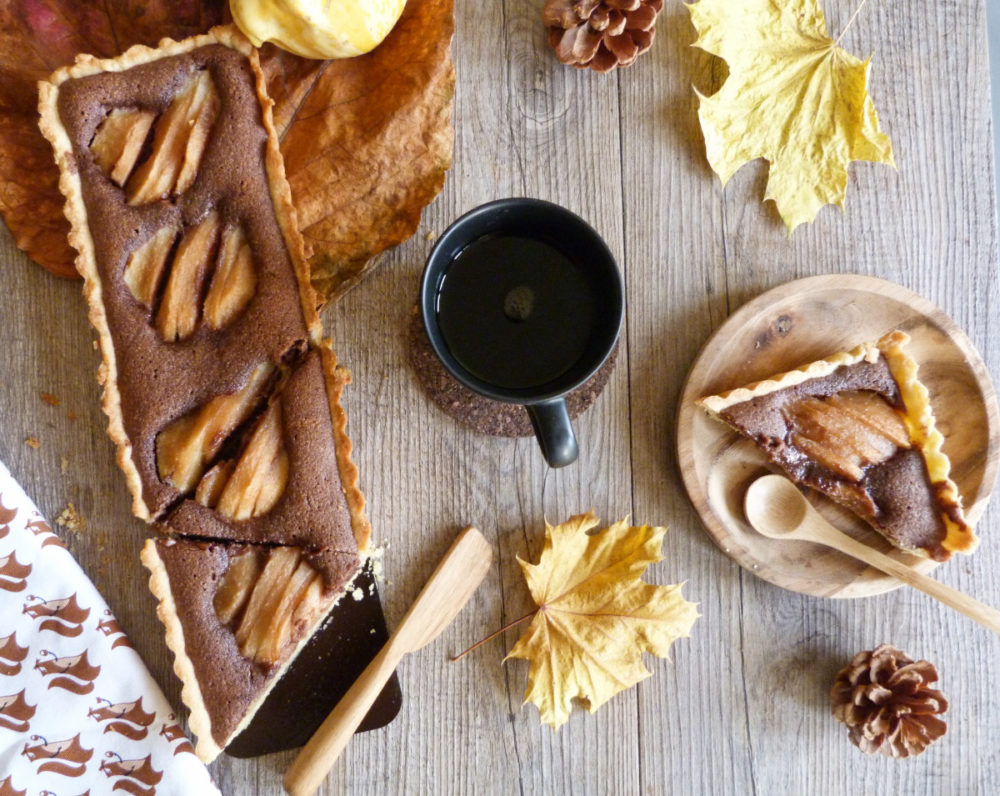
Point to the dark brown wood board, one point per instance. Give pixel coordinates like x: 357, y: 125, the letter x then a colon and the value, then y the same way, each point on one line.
x: 321, y: 674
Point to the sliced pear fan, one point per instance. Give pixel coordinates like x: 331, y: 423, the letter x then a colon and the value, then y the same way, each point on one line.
x: 179, y: 142
x: 180, y: 308
x: 268, y: 597
x: 234, y: 281
x: 186, y: 447
x: 259, y: 477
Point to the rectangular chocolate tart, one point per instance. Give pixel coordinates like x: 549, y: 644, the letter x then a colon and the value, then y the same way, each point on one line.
x: 196, y: 281
x: 222, y: 398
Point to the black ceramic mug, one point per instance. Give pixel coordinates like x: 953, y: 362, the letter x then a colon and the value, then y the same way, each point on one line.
x: 523, y: 303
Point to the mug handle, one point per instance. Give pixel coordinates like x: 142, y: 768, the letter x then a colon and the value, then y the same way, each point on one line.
x: 550, y: 420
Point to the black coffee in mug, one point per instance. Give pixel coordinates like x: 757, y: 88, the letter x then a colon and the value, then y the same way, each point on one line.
x: 515, y: 312
x: 523, y: 302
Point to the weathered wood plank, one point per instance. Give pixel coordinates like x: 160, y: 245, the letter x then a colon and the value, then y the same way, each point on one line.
x: 742, y: 705
x: 767, y: 657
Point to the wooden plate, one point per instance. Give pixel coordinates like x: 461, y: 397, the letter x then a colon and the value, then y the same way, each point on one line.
x: 791, y: 325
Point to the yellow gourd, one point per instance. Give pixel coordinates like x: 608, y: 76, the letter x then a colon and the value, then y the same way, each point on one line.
x: 317, y: 28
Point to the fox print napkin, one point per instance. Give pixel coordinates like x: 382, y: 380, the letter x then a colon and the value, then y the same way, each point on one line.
x: 79, y: 711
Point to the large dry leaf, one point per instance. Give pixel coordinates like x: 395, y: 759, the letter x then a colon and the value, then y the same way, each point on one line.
x: 370, y: 145
x: 595, y: 615
x: 792, y: 97
x: 366, y: 140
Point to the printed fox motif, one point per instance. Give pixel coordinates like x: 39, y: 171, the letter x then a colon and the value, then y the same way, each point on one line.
x: 64, y: 616
x: 39, y: 527
x: 11, y: 655
x: 110, y: 628
x: 15, y: 713
x: 7, y: 783
x: 173, y: 732
x: 6, y: 518
x: 71, y: 672
x: 13, y: 574
x: 137, y: 773
x: 66, y: 757
x: 124, y: 718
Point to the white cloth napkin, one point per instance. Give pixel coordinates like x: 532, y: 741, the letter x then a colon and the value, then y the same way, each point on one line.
x: 78, y: 709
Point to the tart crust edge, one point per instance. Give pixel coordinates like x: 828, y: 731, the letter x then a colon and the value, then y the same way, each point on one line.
x: 919, y: 417
x: 337, y: 377
x: 199, y: 721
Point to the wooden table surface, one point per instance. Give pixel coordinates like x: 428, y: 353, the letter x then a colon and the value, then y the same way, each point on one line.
x: 742, y: 707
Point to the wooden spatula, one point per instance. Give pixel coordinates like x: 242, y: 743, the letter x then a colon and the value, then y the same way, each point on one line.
x: 454, y: 581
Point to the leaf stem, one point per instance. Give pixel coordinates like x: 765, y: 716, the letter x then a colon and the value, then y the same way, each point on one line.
x: 492, y: 636
x: 850, y: 22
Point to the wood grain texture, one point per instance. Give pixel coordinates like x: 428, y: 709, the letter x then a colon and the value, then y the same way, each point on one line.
x: 742, y: 707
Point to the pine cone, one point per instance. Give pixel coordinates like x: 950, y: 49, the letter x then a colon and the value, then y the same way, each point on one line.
x: 883, y: 697
x: 601, y: 34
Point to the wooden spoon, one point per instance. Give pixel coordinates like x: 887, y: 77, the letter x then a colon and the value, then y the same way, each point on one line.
x: 454, y: 581
x: 776, y: 508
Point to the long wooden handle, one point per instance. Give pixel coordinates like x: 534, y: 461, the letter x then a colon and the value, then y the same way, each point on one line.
x: 980, y: 612
x: 314, y: 761
x: 448, y: 589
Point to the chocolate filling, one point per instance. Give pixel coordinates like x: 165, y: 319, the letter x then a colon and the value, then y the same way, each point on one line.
x: 161, y: 381
x: 895, y: 495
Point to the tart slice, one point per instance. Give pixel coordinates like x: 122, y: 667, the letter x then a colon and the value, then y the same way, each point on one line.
x: 236, y: 616
x: 858, y: 427
x: 269, y: 462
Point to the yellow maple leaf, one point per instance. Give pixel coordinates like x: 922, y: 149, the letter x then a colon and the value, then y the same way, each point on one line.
x: 792, y: 97
x: 595, y: 615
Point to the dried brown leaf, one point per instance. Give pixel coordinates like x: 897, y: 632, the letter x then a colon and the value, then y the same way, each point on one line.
x: 366, y: 141
x: 370, y: 145
x: 37, y: 37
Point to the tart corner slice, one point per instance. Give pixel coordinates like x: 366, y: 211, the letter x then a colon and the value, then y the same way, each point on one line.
x: 858, y: 427
x: 280, y: 468
x: 236, y: 616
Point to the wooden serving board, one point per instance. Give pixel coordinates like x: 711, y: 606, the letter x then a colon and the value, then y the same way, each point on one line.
x: 794, y: 324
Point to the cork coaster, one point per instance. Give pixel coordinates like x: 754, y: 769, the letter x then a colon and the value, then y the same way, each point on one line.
x: 483, y: 414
